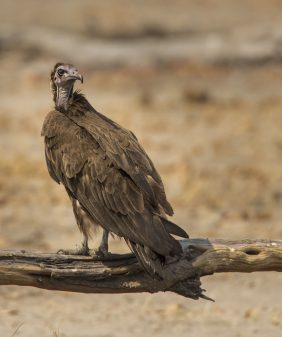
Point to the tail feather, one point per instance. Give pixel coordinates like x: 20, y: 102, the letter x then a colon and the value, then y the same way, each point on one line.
x: 152, y: 254
x: 149, y: 260
x: 172, y: 228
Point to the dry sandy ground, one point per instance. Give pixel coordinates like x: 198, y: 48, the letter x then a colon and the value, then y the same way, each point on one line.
x: 214, y: 133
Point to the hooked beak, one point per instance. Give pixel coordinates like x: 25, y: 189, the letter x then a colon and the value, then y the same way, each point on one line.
x: 74, y: 75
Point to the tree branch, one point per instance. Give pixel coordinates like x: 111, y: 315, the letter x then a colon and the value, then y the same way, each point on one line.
x: 123, y: 274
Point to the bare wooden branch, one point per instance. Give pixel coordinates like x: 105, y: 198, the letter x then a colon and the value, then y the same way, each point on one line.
x: 122, y: 273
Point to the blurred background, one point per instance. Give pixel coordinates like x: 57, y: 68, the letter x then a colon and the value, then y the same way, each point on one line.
x: 199, y: 82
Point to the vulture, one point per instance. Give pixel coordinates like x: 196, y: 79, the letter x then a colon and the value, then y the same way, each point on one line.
x: 110, y: 180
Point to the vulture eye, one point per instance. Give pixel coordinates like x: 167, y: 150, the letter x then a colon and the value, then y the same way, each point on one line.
x: 60, y: 72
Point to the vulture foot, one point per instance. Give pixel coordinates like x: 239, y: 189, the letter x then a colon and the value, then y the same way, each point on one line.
x: 83, y: 250
x: 102, y: 252
x: 103, y: 249
x: 78, y: 251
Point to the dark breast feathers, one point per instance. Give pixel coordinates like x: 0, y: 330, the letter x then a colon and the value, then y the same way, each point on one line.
x: 103, y: 166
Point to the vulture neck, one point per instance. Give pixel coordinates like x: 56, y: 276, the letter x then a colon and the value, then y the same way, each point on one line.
x: 64, y: 95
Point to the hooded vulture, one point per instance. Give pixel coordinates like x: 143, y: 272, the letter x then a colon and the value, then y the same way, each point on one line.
x: 111, y: 181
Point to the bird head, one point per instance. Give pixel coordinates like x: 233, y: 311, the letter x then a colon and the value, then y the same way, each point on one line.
x: 63, y: 77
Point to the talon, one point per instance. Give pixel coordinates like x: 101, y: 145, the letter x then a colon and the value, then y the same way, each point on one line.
x: 102, y: 252
x: 80, y: 251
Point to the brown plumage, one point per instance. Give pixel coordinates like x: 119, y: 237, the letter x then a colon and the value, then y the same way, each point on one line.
x: 109, y: 177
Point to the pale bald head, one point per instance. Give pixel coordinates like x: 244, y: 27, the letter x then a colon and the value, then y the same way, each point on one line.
x: 63, y: 77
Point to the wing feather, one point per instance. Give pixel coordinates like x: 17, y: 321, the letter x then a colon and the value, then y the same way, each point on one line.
x: 125, y: 152
x: 109, y: 173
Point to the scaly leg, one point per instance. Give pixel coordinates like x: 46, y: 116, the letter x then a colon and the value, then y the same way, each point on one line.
x: 103, y: 249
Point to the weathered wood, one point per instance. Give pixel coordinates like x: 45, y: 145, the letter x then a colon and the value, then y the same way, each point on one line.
x: 122, y: 273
